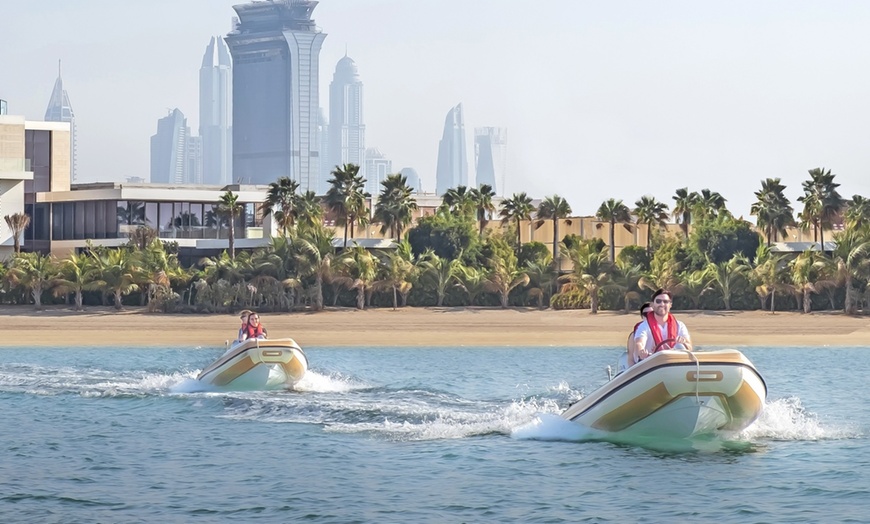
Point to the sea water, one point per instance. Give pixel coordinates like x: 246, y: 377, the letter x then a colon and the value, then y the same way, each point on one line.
x: 412, y: 435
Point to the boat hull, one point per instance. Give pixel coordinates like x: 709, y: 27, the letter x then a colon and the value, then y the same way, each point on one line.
x: 676, y: 394
x: 258, y: 364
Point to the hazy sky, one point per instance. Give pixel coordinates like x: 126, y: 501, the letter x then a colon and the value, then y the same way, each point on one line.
x: 613, y: 99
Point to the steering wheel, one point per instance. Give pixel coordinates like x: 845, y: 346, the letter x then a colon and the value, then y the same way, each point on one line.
x: 660, y: 345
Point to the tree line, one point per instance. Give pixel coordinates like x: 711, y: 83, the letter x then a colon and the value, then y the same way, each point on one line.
x: 456, y: 257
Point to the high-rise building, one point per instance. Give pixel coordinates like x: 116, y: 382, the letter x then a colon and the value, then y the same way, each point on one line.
x: 194, y: 162
x: 412, y: 179
x: 490, y: 157
x: 169, y: 151
x: 325, y: 167
x: 275, y: 48
x: 347, y: 130
x: 3, y: 107
x: 216, y: 113
x: 60, y: 110
x: 452, y: 168
x: 377, y: 169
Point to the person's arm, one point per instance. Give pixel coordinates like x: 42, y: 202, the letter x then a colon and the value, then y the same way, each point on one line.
x: 684, y: 338
x: 640, y: 338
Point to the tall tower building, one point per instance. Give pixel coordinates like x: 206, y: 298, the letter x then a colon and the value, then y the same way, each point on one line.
x: 216, y: 113
x: 490, y: 157
x: 347, y: 130
x: 325, y: 167
x: 275, y: 48
x: 378, y: 168
x: 169, y: 149
x: 60, y: 110
x: 452, y: 168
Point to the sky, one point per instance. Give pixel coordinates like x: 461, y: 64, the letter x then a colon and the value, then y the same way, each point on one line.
x: 615, y: 99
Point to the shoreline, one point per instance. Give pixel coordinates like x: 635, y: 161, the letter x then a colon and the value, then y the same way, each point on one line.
x: 59, y: 326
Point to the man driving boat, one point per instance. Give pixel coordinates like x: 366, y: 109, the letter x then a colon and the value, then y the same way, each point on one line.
x: 660, y: 330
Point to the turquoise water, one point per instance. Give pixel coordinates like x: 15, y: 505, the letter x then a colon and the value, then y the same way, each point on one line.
x: 412, y: 435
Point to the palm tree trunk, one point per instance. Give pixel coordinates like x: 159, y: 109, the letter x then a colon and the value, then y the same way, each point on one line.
x: 612, y: 241
x: 79, y: 300
x: 395, y: 299
x: 850, y: 305
x: 232, y: 239
x: 318, y: 293
x: 773, y: 301
x: 807, y: 306
x: 593, y: 301
x: 360, y: 297
x: 556, y: 258
x: 118, y: 304
x: 36, y: 293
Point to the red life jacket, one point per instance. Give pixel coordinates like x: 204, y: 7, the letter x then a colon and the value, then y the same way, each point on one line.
x: 254, y: 332
x: 673, y: 329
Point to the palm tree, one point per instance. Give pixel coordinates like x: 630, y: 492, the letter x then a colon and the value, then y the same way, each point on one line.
x: 361, y: 267
x: 346, y: 198
x: 77, y: 274
x: 651, y: 212
x: 229, y: 206
x: 614, y: 211
x: 504, y: 272
x: 314, y: 257
x: 34, y: 271
x: 773, y: 209
x: 459, y: 200
x: 17, y: 223
x: 482, y: 198
x: 726, y: 276
x: 858, y: 212
x: 626, y: 280
x: 822, y: 202
x: 592, y: 272
x: 396, y: 205
x: 555, y: 208
x: 710, y: 204
x: 441, y: 272
x: 769, y: 275
x: 118, y: 273
x: 397, y: 268
x: 684, y: 206
x: 519, y: 207
x: 852, y: 256
x: 309, y: 210
x: 280, y: 203
x: 808, y: 271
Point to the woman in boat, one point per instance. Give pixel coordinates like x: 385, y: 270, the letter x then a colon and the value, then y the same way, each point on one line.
x: 243, y: 316
x: 254, y: 329
x: 659, y: 330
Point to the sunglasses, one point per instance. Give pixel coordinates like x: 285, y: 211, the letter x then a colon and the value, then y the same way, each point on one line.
x: 662, y: 301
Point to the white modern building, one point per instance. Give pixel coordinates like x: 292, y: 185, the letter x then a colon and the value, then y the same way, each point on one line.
x: 347, y: 130
x: 216, y: 113
x: 452, y: 170
x: 490, y: 157
x: 377, y: 168
x: 169, y: 150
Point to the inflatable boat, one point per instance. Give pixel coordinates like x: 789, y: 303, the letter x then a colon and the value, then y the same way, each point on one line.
x: 258, y: 364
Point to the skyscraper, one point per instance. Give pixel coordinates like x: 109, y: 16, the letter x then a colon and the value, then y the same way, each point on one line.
x: 275, y: 48
x: 452, y: 168
x: 490, y: 157
x: 347, y: 130
x: 325, y: 167
x: 169, y: 150
x: 60, y: 110
x: 2, y: 107
x: 377, y: 167
x: 216, y: 113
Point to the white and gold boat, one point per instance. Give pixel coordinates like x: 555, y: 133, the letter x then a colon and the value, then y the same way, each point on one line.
x: 258, y: 364
x: 676, y: 394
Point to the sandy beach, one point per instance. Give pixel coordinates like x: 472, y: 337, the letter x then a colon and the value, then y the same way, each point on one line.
x: 412, y: 327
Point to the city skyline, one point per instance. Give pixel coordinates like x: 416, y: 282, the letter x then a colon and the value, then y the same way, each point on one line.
x: 452, y: 169
x: 652, y: 97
